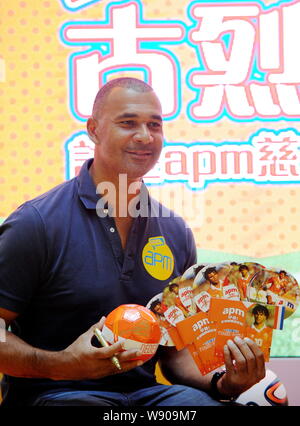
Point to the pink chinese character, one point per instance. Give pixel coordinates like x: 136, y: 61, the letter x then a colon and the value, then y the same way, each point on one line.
x: 229, y: 78
x: 277, y: 157
x: 227, y: 69
x: 80, y: 149
x: 280, y: 57
x: 125, y: 33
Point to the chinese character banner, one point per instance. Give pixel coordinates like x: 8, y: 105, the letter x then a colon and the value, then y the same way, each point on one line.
x: 227, y: 74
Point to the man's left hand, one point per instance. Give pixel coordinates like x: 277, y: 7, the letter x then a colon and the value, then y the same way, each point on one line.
x: 245, y: 366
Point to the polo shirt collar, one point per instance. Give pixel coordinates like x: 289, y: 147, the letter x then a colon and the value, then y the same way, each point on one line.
x: 86, y: 187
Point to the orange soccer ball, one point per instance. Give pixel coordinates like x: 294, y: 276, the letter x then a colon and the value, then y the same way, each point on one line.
x: 136, y: 327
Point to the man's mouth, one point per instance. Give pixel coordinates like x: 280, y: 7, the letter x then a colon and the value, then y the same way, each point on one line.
x: 139, y: 153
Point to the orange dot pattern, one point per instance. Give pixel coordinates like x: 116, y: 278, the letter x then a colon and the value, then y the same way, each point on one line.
x: 241, y: 218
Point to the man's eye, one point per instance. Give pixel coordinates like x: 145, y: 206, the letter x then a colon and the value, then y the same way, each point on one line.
x: 155, y: 124
x: 128, y: 123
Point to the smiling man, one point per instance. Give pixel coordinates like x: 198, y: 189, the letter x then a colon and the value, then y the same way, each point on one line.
x: 64, y: 267
x: 126, y: 127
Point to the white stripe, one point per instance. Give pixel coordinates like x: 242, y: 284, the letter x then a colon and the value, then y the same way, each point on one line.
x: 144, y: 348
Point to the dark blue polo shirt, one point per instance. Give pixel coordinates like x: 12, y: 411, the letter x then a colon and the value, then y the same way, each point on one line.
x: 63, y: 268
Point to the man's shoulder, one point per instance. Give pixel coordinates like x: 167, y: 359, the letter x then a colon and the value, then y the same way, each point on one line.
x: 44, y: 205
x: 57, y: 198
x: 55, y: 193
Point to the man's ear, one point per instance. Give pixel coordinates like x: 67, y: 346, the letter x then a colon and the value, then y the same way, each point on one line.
x: 91, y: 129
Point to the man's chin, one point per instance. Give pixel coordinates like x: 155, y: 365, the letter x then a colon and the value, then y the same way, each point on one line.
x: 137, y: 173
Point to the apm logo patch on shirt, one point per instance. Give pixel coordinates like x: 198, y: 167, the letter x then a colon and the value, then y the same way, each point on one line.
x: 158, y: 259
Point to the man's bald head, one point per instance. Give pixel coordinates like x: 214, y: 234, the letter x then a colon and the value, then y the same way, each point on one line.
x: 125, y: 82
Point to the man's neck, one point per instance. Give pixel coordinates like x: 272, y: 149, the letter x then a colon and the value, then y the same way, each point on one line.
x: 259, y: 326
x: 124, y: 190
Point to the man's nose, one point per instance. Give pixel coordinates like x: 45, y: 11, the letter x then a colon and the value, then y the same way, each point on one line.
x: 143, y: 134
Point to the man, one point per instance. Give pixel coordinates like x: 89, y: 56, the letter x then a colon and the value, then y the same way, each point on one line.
x: 219, y: 284
x: 243, y: 281
x: 259, y: 331
x: 158, y: 309
x: 65, y: 263
x: 277, y: 283
x: 215, y: 288
x: 261, y: 314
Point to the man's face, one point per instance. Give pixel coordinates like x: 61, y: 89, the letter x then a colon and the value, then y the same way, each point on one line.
x: 128, y: 133
x: 175, y: 289
x: 213, y: 278
x: 244, y: 272
x: 158, y: 309
x: 260, y: 317
x: 281, y: 275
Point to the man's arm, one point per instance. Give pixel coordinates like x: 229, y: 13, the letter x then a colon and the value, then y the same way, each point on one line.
x: 244, y: 363
x: 81, y: 360
x: 178, y: 367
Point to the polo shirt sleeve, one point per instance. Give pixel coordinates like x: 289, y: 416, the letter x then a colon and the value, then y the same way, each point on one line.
x: 22, y: 257
x: 191, y: 250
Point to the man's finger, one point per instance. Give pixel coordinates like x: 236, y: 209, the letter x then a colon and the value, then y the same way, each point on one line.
x: 129, y: 355
x: 228, y: 360
x: 260, y: 361
x: 247, y: 353
x: 109, y: 351
x: 101, y: 323
x: 240, y: 361
x: 129, y: 365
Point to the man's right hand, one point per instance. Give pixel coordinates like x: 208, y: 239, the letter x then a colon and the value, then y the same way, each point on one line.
x: 82, y: 360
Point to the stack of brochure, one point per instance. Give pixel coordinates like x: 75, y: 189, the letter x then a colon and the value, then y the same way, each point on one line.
x: 213, y: 303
